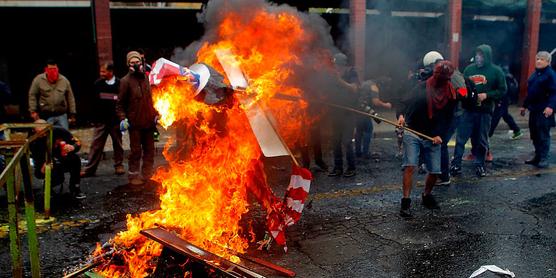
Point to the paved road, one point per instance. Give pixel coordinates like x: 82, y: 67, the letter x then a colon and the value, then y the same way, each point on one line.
x: 351, y: 228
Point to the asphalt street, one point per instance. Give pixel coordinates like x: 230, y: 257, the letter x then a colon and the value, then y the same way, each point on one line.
x: 351, y: 227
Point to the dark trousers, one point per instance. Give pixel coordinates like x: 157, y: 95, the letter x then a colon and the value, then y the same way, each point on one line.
x: 539, y: 127
x: 315, y: 143
x: 141, y: 142
x: 363, y: 135
x: 444, y: 153
x: 97, y: 146
x: 342, y: 135
x: 474, y: 125
x: 501, y: 112
x: 70, y: 163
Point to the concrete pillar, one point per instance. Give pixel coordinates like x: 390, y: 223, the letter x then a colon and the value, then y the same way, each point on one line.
x: 454, y: 31
x: 358, y: 14
x: 103, y: 30
x: 530, y: 44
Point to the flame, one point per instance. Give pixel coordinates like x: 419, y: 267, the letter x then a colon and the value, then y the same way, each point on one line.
x: 205, y: 187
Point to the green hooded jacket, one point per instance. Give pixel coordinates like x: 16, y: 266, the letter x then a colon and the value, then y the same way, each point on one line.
x: 489, y: 79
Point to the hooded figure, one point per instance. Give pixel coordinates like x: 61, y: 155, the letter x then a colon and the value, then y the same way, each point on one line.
x: 489, y: 85
x: 487, y: 78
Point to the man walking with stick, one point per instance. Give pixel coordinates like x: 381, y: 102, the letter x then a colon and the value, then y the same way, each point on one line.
x: 428, y: 109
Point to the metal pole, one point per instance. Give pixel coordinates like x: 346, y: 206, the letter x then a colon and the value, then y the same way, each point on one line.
x: 358, y: 22
x: 454, y: 33
x: 530, y: 44
x: 30, y: 215
x: 48, y: 175
x: 15, y: 242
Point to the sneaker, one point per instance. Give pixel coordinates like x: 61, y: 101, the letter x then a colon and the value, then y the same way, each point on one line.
x: 516, y: 135
x: 455, y: 170
x: 469, y: 157
x: 136, y: 181
x: 443, y: 181
x: 76, y: 192
x: 349, y: 173
x: 543, y: 163
x: 480, y: 171
x: 119, y: 170
x: 335, y: 172
x: 489, y: 157
x: 79, y: 196
x: 405, y: 210
x: 429, y: 201
x: 321, y: 166
x: 533, y: 161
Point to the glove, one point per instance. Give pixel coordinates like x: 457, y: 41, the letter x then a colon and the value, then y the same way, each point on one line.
x: 124, y: 125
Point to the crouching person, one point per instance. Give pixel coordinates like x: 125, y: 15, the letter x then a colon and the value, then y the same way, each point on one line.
x: 64, y: 158
x: 428, y: 109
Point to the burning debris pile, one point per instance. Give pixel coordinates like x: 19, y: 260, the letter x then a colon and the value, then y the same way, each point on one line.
x: 216, y: 163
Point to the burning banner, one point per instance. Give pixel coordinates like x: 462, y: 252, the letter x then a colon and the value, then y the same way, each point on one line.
x: 217, y: 162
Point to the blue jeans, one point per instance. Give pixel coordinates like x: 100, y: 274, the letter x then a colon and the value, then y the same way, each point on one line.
x: 414, y: 146
x: 363, y: 135
x: 444, y: 153
x: 61, y: 121
x: 539, y: 126
x: 342, y: 135
x: 474, y: 125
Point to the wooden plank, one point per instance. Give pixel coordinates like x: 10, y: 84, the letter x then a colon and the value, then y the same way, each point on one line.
x: 181, y: 246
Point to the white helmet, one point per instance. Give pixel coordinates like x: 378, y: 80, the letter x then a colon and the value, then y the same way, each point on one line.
x: 431, y: 57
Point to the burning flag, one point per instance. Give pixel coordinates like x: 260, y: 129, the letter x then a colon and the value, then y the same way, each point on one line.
x: 216, y: 160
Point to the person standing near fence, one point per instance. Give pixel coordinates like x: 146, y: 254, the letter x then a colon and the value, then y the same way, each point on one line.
x: 106, y: 122
x: 51, y: 97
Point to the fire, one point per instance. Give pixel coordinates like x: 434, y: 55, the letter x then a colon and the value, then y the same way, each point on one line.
x: 209, y: 176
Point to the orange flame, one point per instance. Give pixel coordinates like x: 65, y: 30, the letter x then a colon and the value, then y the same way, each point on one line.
x: 205, y: 188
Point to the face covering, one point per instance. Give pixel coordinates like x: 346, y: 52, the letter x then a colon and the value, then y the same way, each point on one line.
x: 479, y: 60
x: 51, y: 74
x: 137, y: 69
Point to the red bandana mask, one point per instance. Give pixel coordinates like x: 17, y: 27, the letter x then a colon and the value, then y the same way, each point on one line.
x: 51, y: 74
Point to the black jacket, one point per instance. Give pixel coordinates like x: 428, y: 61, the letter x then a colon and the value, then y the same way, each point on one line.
x: 414, y: 108
x: 106, y: 98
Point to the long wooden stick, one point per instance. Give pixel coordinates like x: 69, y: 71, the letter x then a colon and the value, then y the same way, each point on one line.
x: 378, y: 118
x: 296, y: 98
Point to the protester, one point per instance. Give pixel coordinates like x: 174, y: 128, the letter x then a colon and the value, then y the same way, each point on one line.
x: 490, y: 85
x: 428, y: 109
x: 430, y: 60
x: 541, y: 101
x: 51, y: 97
x: 368, y: 101
x: 343, y: 124
x: 64, y: 158
x: 137, y: 114
x: 106, y: 122
x: 315, y: 142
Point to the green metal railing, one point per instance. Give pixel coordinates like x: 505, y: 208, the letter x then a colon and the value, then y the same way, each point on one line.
x: 18, y: 171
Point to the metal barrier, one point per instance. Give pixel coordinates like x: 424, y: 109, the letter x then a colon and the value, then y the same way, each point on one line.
x: 17, y: 156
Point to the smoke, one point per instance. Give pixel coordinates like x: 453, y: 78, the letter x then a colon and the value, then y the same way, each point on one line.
x: 314, y: 74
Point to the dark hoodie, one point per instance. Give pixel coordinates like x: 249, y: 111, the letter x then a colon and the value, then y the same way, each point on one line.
x: 489, y: 79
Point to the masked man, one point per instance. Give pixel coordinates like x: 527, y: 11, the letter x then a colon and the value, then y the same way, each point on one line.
x: 428, y: 109
x: 490, y: 85
x: 51, y: 97
x: 137, y: 114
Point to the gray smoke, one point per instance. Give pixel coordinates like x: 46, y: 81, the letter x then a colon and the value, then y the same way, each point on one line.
x: 316, y: 80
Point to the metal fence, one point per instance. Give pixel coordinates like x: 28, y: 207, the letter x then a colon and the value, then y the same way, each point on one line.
x: 18, y: 172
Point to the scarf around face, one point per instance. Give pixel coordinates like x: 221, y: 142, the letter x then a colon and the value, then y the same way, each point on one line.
x: 439, y: 88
